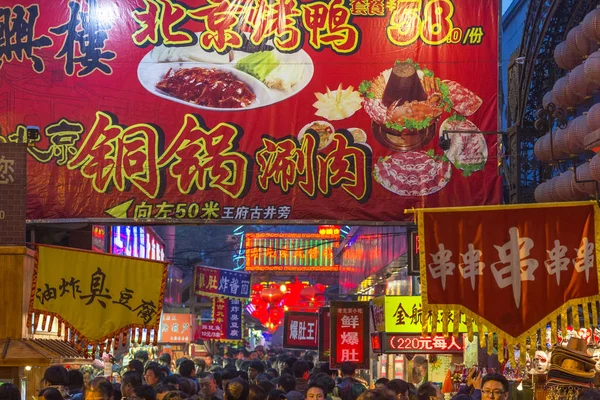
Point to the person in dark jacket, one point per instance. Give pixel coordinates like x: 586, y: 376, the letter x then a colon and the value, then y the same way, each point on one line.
x: 350, y: 388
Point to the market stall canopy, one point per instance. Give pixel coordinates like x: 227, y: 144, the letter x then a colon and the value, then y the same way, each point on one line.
x: 38, y: 352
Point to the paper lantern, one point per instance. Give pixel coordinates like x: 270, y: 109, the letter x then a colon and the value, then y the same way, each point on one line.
x: 542, y: 193
x: 592, y: 141
x: 543, y: 150
x: 591, y: 68
x: 576, y: 131
x: 257, y: 287
x: 593, y: 117
x: 591, y: 25
x: 579, y: 84
x: 595, y: 167
x: 559, y: 91
x: 547, y: 99
x: 565, y: 57
x: 563, y: 186
x: 572, y: 98
x: 584, y: 174
x: 308, y: 293
x: 320, y: 288
x: 271, y: 295
x: 559, y: 147
x: 561, y: 55
x: 578, y: 43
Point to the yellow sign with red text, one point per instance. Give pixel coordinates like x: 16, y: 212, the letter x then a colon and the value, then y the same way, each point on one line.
x: 403, y: 314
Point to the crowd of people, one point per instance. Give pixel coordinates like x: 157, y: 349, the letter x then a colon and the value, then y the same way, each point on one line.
x: 244, y: 375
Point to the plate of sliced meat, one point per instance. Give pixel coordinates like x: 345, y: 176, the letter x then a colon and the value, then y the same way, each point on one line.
x: 468, y: 151
x: 412, y: 173
x: 463, y: 100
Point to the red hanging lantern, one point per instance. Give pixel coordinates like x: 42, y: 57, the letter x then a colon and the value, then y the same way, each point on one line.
x: 257, y: 287
x: 309, y: 293
x: 320, y: 288
x: 271, y: 295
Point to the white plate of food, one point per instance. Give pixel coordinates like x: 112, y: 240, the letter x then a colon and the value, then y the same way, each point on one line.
x: 270, y: 75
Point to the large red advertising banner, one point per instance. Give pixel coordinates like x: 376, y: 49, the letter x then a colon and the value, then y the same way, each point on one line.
x: 252, y: 110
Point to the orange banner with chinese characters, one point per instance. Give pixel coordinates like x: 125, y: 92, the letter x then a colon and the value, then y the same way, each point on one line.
x: 511, y: 269
x: 98, y: 299
x: 176, y: 328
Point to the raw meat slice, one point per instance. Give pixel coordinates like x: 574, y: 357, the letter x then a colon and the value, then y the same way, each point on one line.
x: 463, y: 100
x: 412, y: 173
x: 468, y: 151
x: 375, y: 109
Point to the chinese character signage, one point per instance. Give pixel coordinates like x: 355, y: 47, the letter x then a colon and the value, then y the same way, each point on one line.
x: 291, y: 252
x: 350, y: 333
x: 176, y: 328
x: 301, y: 330
x: 324, y: 334
x: 403, y: 344
x: 252, y: 110
x: 404, y: 314
x: 227, y: 323
x: 222, y: 282
x: 512, y: 268
x: 13, y: 182
x: 122, y: 292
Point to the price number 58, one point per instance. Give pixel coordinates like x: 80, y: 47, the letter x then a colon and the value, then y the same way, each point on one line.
x: 429, y: 20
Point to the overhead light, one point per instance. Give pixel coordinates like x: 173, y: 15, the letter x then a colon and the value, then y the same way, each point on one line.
x: 28, y: 368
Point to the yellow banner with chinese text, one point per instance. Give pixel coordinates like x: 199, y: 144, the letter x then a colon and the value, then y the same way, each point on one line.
x: 403, y: 314
x: 96, y: 297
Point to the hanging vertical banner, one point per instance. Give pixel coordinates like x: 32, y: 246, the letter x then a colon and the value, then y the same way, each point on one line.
x: 350, y: 333
x: 214, y: 282
x: 234, y: 322
x: 497, y: 263
x: 226, y: 324
x: 324, y: 334
x: 300, y: 330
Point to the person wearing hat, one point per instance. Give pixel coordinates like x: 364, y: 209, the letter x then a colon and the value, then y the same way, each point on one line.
x: 256, y: 370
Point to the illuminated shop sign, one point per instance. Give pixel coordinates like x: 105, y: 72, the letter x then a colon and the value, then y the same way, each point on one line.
x: 137, y: 241
x: 427, y: 345
x: 291, y: 252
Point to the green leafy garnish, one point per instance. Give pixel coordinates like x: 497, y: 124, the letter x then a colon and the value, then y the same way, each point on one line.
x: 427, y: 72
x: 446, y: 103
x: 432, y: 154
x: 410, y: 124
x: 364, y: 89
x: 457, y: 117
x: 469, y: 169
